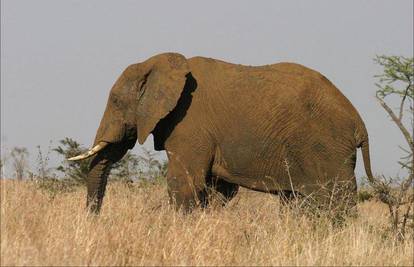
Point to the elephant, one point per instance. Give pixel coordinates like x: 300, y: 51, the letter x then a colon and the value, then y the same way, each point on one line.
x: 272, y: 128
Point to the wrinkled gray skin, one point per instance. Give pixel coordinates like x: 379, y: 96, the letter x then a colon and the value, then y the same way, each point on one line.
x: 225, y: 125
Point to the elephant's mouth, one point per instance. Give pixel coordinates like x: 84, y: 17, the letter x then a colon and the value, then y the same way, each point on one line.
x: 126, y: 136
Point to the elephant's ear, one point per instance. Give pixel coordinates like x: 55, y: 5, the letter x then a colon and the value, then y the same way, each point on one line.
x: 159, y: 95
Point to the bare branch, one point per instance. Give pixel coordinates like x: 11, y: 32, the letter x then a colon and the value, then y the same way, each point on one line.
x: 404, y: 131
x: 290, y: 177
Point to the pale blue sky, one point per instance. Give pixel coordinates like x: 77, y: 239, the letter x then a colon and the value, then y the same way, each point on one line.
x: 60, y: 58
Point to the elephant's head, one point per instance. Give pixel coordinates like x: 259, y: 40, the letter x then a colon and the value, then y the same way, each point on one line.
x: 144, y: 94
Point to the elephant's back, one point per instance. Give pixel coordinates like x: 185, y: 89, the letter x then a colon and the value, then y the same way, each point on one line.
x: 260, y: 97
x: 282, y: 86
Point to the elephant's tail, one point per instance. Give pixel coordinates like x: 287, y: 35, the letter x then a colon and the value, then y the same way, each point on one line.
x: 367, y: 161
x: 363, y: 143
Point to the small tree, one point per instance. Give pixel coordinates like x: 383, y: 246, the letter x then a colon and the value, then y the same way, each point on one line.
x: 164, y: 168
x: 152, y: 165
x: 397, y: 81
x: 127, y: 168
x: 3, y: 160
x: 76, y: 171
x: 2, y: 164
x: 42, y: 160
x: 19, y: 157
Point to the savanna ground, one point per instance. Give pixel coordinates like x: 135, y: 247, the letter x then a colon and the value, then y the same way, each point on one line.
x: 137, y: 226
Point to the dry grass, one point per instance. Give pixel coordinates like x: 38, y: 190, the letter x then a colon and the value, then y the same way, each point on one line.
x: 138, y: 227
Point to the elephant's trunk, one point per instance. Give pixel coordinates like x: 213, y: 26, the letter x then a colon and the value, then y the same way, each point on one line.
x: 99, y: 169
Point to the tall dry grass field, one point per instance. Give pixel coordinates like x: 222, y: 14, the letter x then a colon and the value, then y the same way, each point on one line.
x: 137, y: 226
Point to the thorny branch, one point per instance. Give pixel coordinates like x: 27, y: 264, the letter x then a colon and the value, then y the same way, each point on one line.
x: 403, y: 100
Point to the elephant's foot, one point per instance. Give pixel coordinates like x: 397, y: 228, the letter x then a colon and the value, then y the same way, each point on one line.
x: 181, y: 195
x: 186, y: 196
x: 186, y: 178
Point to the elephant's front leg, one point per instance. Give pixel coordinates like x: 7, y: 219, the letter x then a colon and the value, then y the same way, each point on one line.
x: 186, y: 181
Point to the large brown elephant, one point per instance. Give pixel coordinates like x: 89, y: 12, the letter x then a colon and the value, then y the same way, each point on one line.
x: 273, y: 128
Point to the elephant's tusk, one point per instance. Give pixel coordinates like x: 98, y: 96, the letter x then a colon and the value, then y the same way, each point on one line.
x: 91, y: 152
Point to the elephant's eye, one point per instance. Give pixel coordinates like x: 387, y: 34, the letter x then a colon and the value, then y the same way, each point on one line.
x: 115, y: 100
x: 141, y: 87
x: 143, y: 81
